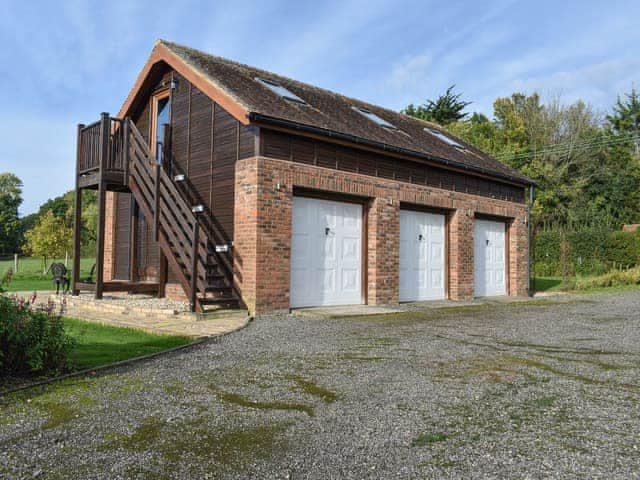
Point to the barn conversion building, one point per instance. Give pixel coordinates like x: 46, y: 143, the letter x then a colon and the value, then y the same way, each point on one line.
x: 234, y: 186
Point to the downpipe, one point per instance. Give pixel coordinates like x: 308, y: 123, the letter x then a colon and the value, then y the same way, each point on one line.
x: 530, y: 235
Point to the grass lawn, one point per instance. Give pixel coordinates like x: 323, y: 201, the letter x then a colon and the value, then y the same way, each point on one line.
x: 546, y: 284
x: 101, y: 344
x: 30, y: 276
x: 551, y: 284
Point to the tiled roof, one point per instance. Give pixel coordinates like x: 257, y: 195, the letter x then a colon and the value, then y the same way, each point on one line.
x: 332, y: 113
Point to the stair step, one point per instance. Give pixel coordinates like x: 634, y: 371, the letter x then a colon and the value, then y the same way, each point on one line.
x: 215, y: 276
x: 218, y: 289
x: 218, y: 300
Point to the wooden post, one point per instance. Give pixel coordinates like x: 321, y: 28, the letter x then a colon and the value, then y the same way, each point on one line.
x: 133, y: 241
x: 162, y: 276
x: 167, y: 158
x: 125, y: 149
x: 167, y: 165
x: 105, y: 126
x: 77, y: 215
x: 194, y: 265
x: 156, y: 202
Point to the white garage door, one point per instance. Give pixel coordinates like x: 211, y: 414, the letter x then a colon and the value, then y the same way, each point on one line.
x: 489, y: 258
x: 326, y: 258
x: 422, y: 256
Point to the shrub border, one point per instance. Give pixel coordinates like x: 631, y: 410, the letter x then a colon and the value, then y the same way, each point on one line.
x: 128, y: 361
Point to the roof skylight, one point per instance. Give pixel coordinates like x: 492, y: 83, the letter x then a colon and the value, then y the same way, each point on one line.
x: 374, y: 118
x: 280, y: 90
x: 444, y: 138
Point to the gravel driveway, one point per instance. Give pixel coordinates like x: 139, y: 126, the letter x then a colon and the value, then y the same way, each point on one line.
x: 540, y: 389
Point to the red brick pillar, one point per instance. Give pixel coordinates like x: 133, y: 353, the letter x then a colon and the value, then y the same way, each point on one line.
x: 461, y: 254
x: 519, y: 257
x: 383, y: 251
x: 245, y: 230
x: 273, y: 263
x: 262, y: 236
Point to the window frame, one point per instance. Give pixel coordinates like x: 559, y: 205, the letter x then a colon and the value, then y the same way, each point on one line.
x: 155, y: 99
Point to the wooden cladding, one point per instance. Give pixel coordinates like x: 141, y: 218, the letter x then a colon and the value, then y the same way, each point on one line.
x: 147, y: 250
x: 323, y: 154
x: 207, y: 141
x: 122, y: 238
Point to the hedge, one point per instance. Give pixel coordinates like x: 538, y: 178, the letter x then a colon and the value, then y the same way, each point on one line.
x: 588, y: 251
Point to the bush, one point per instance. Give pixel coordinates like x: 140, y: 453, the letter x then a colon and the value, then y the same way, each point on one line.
x: 32, y: 341
x: 614, y: 278
x: 623, y: 249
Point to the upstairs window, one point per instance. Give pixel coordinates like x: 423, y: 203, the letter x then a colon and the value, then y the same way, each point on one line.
x: 445, y: 138
x: 374, y: 118
x: 161, y: 116
x: 280, y: 90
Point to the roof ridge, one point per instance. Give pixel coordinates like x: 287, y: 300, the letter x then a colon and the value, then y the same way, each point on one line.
x: 172, y: 45
x: 246, y: 66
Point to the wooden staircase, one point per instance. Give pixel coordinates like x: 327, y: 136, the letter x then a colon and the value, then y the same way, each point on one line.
x: 179, y: 226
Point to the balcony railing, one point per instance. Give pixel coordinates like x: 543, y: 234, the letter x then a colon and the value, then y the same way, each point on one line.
x: 101, y: 147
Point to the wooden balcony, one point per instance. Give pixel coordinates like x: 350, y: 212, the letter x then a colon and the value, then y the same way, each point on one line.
x: 102, y: 155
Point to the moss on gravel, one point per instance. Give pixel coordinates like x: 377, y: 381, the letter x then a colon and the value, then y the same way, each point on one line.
x: 59, y: 402
x: 362, y: 358
x: 311, y: 387
x: 237, y: 399
x: 428, y: 438
x: 177, y: 441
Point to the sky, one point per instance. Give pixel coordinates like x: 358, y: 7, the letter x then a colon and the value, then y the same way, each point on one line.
x: 62, y: 63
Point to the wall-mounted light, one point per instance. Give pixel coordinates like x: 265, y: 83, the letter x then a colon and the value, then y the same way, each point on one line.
x: 197, y: 208
x: 279, y: 186
x: 390, y: 200
x: 179, y: 178
x: 173, y: 84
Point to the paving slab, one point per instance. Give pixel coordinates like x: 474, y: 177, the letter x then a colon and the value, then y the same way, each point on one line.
x: 363, y: 310
x: 143, y: 312
x: 346, y: 310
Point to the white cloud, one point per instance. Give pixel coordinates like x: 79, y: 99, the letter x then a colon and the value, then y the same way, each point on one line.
x: 412, y: 71
x: 598, y: 82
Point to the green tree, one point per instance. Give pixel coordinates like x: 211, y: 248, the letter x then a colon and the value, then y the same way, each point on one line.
x: 10, y: 201
x: 479, y: 131
x: 63, y: 207
x: 446, y: 109
x: 625, y: 118
x: 626, y: 114
x: 50, y: 238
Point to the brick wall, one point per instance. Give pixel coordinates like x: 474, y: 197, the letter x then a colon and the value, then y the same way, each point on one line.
x: 262, y: 233
x: 461, y: 256
x: 383, y: 249
x: 109, y: 235
x: 518, y: 256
